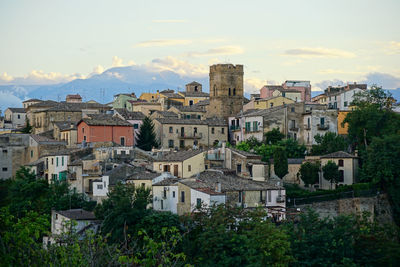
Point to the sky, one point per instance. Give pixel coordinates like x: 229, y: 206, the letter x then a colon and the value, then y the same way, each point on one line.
x: 326, y: 42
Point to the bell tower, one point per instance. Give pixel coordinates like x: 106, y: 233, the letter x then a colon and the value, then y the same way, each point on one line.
x: 226, y: 90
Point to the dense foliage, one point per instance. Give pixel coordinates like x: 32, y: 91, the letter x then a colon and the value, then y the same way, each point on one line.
x: 280, y: 162
x: 328, y: 143
x: 146, y: 138
x: 331, y: 172
x: 274, y: 136
x: 309, y: 172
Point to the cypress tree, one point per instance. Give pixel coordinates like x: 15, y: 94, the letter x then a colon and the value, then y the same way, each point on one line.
x: 146, y: 138
x: 280, y: 162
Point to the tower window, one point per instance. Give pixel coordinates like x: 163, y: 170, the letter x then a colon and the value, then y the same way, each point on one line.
x: 234, y: 91
x: 229, y: 91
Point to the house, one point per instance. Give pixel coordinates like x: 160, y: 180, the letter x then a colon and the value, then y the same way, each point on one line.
x: 149, y: 97
x: 56, y: 165
x: 181, y: 164
x: 73, y: 98
x: 189, y: 112
x: 37, y: 167
x: 29, y: 102
x: 189, y: 133
x: 293, y: 89
x: 163, y: 114
x: 271, y: 102
x: 341, y: 97
x: 193, y: 94
x: 319, y: 122
x: 78, y: 221
x: 105, y: 128
x: 147, y: 108
x: 66, y: 131
x: 13, y: 153
x: 293, y: 176
x: 348, y: 168
x: 133, y: 117
x: 121, y: 101
x: 83, y: 171
x: 213, y: 187
x: 14, y: 118
x: 169, y: 98
x: 241, y: 162
x: 165, y: 195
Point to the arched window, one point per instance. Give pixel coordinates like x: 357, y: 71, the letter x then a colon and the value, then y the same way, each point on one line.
x: 195, y: 88
x: 229, y: 91
x: 234, y: 91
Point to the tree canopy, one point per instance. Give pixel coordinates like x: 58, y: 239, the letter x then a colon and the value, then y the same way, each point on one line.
x: 309, y: 172
x: 146, y: 138
x: 328, y: 143
x: 331, y: 172
x: 280, y: 162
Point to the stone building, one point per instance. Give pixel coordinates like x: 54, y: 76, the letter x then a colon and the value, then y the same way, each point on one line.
x: 12, y: 153
x: 73, y: 98
x: 189, y: 112
x: 182, y: 164
x: 14, y: 118
x: 319, y: 122
x: 193, y: 94
x: 29, y: 102
x: 226, y: 90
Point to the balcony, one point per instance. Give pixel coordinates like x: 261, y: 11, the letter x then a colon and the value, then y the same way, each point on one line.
x: 235, y: 128
x: 294, y: 128
x: 215, y: 156
x: 307, y: 127
x: 190, y: 136
x: 323, y: 127
x: 252, y: 130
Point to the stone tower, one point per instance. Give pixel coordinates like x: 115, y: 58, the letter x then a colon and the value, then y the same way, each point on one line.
x: 226, y: 90
x: 194, y: 87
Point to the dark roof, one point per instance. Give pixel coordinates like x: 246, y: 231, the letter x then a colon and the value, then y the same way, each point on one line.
x: 45, y: 140
x: 32, y: 99
x: 77, y: 96
x: 194, y: 83
x: 291, y: 161
x: 339, y: 154
x: 121, y: 173
x: 171, y: 95
x: 167, y: 114
x: 130, y: 115
x: 192, y: 108
x: 215, y: 121
x: 178, y: 156
x: 77, y: 214
x: 209, y: 121
x: 166, y: 182
x: 17, y: 110
x: 66, y: 125
x: 274, y: 87
x: 143, y: 174
x: 142, y: 102
x: 77, y: 107
x: 46, y: 103
x: 104, y: 120
x: 194, y: 94
x: 229, y: 181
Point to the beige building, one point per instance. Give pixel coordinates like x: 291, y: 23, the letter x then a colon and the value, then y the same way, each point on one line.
x: 187, y: 133
x: 30, y: 102
x: 66, y: 131
x: 193, y: 94
x: 271, y: 102
x: 189, y: 112
x: 146, y: 107
x: 181, y: 164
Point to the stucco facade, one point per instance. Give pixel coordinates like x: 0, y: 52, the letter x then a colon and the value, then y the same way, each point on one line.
x: 119, y: 134
x: 182, y: 168
x: 271, y: 102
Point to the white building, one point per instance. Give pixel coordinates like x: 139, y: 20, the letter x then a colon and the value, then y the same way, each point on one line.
x: 56, y: 166
x: 14, y: 118
x: 319, y: 122
x: 165, y: 195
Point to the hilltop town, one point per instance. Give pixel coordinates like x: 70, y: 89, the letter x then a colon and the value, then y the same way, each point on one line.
x: 281, y: 151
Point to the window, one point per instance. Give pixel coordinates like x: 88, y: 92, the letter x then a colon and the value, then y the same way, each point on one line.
x: 212, y: 130
x: 31, y: 153
x: 240, y: 196
x: 100, y: 187
x: 181, y: 143
x: 255, y: 126
x: 234, y: 91
x: 5, y: 151
x: 56, y: 161
x: 143, y: 184
x: 341, y: 176
x: 341, y: 163
x: 171, y: 143
x: 52, y: 161
x: 122, y: 139
x: 62, y: 161
x: 19, y: 116
x: 162, y: 204
x: 322, y: 121
x: 182, y: 196
x: 190, y: 102
x: 269, y: 195
x: 198, y: 116
x: 261, y: 196
x: 136, y: 126
x: 5, y: 169
x: 345, y: 103
x: 189, y: 168
x: 239, y: 168
x: 160, y: 167
x: 171, y: 129
x: 84, y: 138
x: 173, y: 194
x: 271, y: 105
x: 291, y: 109
x: 247, y: 126
x: 223, y: 130
x: 105, y: 184
x: 165, y: 193
x: 195, y: 88
x: 198, y: 203
x: 83, y: 130
x: 229, y: 91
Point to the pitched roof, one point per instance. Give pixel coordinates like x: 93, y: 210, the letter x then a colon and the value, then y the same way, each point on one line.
x: 130, y: 115
x: 166, y: 114
x: 205, y: 102
x: 77, y: 107
x: 338, y: 154
x: 229, y: 181
x: 167, y: 182
x: 245, y: 153
x: 171, y: 95
x: 194, y: 94
x: 120, y: 173
x: 191, y: 108
x: 77, y: 214
x: 17, y: 110
x: 66, y: 125
x: 32, y: 99
x: 194, y: 83
x: 178, y: 156
x: 77, y: 96
x: 104, y: 120
x: 274, y: 87
x: 142, y: 174
x: 209, y: 121
x: 216, y: 121
x: 45, y: 140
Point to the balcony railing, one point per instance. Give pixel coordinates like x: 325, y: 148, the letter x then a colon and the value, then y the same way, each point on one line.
x: 252, y: 130
x: 190, y: 136
x: 235, y: 127
x: 307, y: 127
x: 323, y: 127
x: 215, y: 156
x: 294, y: 128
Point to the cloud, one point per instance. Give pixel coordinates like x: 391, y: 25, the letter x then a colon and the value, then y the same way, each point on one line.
x: 178, y: 66
x: 168, y: 21
x: 393, y: 48
x: 387, y: 81
x: 39, y: 77
x: 218, y: 51
x: 159, y: 43
x: 116, y: 62
x: 309, y: 52
x: 99, y: 69
x: 253, y: 85
x: 6, y: 78
x: 12, y: 98
x: 322, y: 85
x: 336, y: 71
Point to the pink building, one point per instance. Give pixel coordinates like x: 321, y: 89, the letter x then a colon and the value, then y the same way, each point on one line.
x: 105, y: 128
x: 290, y: 86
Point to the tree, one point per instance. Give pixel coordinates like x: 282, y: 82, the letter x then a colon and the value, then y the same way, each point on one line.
x: 328, y: 143
x: 372, y: 117
x: 146, y: 138
x: 274, y: 136
x: 309, y: 172
x: 280, y: 162
x: 123, y: 210
x: 331, y: 172
x: 28, y: 128
x: 293, y: 148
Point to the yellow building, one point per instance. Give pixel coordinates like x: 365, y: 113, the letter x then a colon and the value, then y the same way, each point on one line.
x: 270, y: 102
x: 149, y: 97
x: 342, y: 130
x: 182, y: 164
